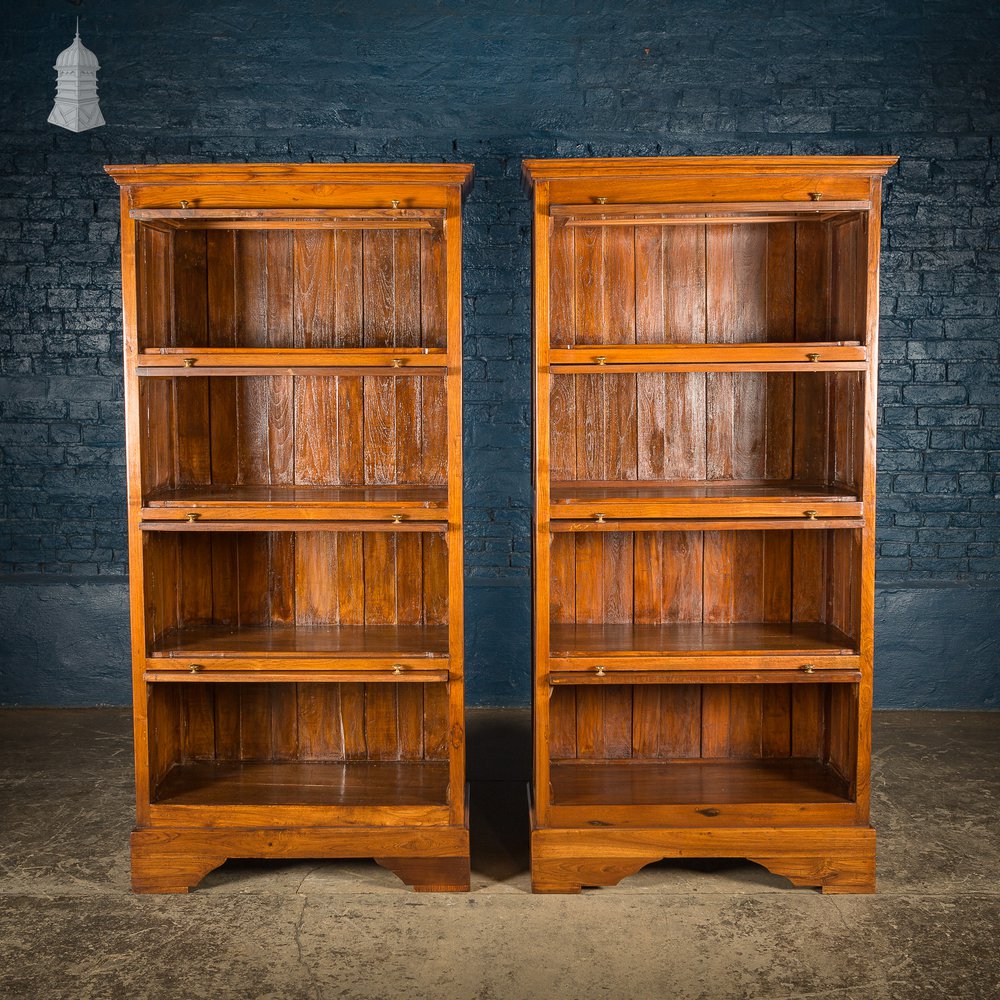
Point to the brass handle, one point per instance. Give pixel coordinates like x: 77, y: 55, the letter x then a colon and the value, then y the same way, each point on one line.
x: 810, y: 514
x: 395, y: 203
x: 397, y: 518
x: 602, y: 201
x: 600, y: 671
x: 190, y: 362
x: 599, y: 518
x: 184, y: 204
x: 601, y: 359
x: 397, y: 668
x: 196, y: 668
x: 815, y: 195
x: 808, y: 668
x: 813, y: 357
x: 192, y: 517
x: 397, y: 362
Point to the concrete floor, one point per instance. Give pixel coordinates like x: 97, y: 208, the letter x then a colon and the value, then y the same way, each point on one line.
x: 720, y: 929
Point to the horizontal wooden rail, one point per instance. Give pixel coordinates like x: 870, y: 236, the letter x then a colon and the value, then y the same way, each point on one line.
x: 706, y: 524
x: 293, y: 218
x: 812, y: 352
x: 293, y: 525
x: 188, y: 514
x: 565, y: 678
x: 173, y: 361
x: 161, y: 676
x: 352, y: 371
x: 716, y: 207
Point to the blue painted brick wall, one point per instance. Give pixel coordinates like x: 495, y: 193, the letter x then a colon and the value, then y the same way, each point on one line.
x: 491, y: 83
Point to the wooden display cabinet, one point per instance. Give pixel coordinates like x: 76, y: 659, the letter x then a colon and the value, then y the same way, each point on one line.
x: 293, y: 383
x: 705, y: 349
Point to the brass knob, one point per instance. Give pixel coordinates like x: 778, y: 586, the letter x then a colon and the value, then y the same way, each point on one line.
x: 815, y: 195
x: 601, y: 359
x: 184, y: 204
x: 810, y: 515
x: 193, y: 516
x: 599, y: 518
x: 190, y: 362
x: 395, y: 203
x: 397, y: 518
x: 602, y: 201
x: 397, y: 362
x: 397, y: 668
x: 808, y: 668
x: 600, y: 671
x: 196, y: 668
x: 813, y: 357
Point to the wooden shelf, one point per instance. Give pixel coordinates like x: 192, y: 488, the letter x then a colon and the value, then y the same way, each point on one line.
x: 296, y: 502
x: 262, y: 524
x: 290, y: 783
x: 304, y: 642
x: 733, y: 210
x: 719, y: 498
x: 714, y: 522
x: 288, y: 218
x: 800, y: 356
x: 683, y: 782
x: 684, y: 640
x: 198, y: 361
x: 768, y: 674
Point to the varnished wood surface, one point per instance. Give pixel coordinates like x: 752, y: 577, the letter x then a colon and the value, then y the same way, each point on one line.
x: 654, y: 674
x: 702, y: 520
x: 196, y: 361
x: 749, y: 168
x: 726, y: 498
x: 735, y: 209
x: 304, y: 641
x: 175, y: 859
x: 236, y: 670
x: 358, y: 783
x: 405, y: 496
x: 235, y: 522
x: 300, y: 180
x: 712, y: 353
x: 699, y: 639
x: 786, y: 491
x: 672, y: 349
x: 625, y: 783
x: 293, y: 355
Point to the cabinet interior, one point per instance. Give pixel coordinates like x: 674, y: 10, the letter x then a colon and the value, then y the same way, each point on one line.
x: 667, y: 744
x: 716, y: 283
x: 315, y: 743
x: 715, y: 430
x: 280, y: 431
x: 291, y: 288
x: 715, y: 579
x: 241, y: 593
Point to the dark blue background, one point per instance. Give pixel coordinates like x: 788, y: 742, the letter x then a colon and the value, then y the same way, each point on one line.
x: 490, y: 83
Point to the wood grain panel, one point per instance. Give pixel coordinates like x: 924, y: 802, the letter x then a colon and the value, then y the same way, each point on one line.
x: 433, y: 289
x: 314, y: 284
x: 562, y: 286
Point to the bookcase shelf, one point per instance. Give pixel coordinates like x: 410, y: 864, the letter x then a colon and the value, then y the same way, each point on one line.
x: 293, y: 396
x: 705, y: 354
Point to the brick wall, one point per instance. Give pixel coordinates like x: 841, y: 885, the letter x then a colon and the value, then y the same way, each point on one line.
x: 491, y: 83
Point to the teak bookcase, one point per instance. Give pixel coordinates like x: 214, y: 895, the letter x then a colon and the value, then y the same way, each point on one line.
x: 705, y: 349
x: 293, y: 398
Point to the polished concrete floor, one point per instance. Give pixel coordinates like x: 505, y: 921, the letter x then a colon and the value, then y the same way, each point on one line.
x: 721, y: 929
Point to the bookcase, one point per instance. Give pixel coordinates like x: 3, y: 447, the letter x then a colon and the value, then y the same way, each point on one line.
x: 705, y: 365
x: 293, y: 406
